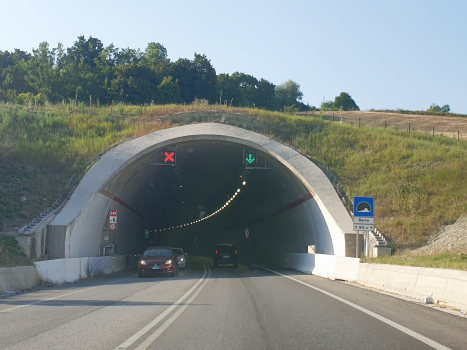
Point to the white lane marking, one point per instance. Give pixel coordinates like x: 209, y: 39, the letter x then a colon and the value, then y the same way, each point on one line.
x: 61, y: 296
x: 149, y: 340
x: 159, y: 318
x: 403, y: 329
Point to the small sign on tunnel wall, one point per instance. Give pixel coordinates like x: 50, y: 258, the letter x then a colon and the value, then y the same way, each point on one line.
x: 247, y: 233
x: 113, y: 220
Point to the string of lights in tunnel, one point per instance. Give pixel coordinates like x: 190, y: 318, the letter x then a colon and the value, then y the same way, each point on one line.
x: 235, y: 195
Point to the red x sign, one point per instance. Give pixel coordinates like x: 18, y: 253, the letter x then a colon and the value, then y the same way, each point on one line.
x: 169, y: 157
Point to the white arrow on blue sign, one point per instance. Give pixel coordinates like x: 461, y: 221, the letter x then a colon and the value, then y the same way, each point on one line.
x: 364, y: 207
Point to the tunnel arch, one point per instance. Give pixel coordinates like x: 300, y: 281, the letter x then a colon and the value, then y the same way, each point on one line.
x: 78, y: 230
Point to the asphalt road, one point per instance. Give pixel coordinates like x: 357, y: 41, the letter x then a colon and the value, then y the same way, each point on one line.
x: 221, y: 308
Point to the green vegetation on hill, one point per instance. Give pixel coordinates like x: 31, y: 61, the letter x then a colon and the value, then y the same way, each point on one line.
x: 418, y: 181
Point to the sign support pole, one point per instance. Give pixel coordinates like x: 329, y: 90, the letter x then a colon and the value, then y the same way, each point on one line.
x: 356, y: 244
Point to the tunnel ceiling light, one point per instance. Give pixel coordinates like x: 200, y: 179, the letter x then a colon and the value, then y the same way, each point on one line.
x: 210, y: 215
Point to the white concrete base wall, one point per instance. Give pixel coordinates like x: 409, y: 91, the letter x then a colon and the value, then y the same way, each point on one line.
x: 107, y: 264
x: 417, y: 282
x: 449, y: 286
x: 18, y: 278
x: 74, y: 269
x: 323, y: 265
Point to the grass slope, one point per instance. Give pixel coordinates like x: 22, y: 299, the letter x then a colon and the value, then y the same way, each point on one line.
x: 418, y: 180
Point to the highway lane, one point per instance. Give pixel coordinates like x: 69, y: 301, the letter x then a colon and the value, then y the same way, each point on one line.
x: 224, y: 307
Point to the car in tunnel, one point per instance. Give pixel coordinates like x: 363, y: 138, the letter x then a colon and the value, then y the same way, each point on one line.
x: 180, y: 256
x: 225, y: 254
x: 158, y: 261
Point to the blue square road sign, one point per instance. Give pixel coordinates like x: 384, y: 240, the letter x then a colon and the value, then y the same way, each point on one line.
x: 364, y: 207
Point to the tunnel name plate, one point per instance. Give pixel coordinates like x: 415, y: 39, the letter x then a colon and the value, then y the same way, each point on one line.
x: 362, y: 220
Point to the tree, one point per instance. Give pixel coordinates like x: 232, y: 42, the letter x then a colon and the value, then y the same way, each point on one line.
x: 184, y: 71
x: 206, y: 79
x: 265, y: 94
x: 85, y: 50
x: 327, y: 106
x: 12, y: 73
x: 436, y: 108
x: 154, y: 56
x: 288, y: 93
x: 197, y: 78
x: 345, y: 101
x: 42, y: 74
x: 169, y: 91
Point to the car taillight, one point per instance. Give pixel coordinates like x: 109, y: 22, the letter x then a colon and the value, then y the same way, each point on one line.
x: 217, y: 252
x: 236, y: 251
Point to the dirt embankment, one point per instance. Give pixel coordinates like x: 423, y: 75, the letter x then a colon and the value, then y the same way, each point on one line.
x: 443, y: 125
x: 450, y: 238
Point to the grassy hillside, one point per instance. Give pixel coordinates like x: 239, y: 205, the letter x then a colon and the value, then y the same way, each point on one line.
x: 418, y: 180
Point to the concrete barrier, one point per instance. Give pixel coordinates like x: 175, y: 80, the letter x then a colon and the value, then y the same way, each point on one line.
x: 107, y: 264
x: 323, y: 265
x: 445, y: 285
x: 417, y: 282
x: 63, y: 270
x: 18, y: 278
x: 74, y: 269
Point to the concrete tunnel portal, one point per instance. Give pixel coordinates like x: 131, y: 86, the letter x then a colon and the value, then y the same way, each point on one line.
x: 208, y: 196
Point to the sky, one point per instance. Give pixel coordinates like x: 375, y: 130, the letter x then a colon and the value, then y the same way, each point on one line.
x: 386, y: 54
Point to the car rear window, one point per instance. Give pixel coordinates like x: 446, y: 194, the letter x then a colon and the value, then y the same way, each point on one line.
x: 177, y: 251
x: 158, y: 252
x: 223, y: 248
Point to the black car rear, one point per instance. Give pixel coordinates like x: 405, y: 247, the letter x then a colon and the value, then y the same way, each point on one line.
x: 225, y: 254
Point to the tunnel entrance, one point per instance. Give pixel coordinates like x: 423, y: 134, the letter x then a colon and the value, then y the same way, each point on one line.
x: 209, y: 192
x: 210, y: 196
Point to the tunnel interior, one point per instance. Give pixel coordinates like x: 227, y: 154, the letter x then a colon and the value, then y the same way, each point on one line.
x: 186, y: 204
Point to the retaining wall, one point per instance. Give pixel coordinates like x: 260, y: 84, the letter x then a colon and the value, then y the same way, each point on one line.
x: 18, y: 278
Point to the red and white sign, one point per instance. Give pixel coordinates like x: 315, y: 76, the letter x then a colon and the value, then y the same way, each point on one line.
x: 113, y: 220
x: 247, y: 233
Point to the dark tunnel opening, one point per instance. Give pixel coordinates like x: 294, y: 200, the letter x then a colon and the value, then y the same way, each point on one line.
x: 173, y: 199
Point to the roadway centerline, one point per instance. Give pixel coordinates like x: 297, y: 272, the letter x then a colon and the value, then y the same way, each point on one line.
x: 130, y: 341
x: 149, y: 340
x: 396, y: 325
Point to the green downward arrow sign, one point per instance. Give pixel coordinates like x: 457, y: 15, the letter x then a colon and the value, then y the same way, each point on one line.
x: 250, y: 158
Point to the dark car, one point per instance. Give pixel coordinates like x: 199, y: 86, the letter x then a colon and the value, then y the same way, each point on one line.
x: 225, y: 254
x: 156, y: 261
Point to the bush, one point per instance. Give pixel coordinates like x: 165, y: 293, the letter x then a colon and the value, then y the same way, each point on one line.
x: 11, y: 254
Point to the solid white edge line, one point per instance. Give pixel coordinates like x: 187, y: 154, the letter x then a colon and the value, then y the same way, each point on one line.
x: 60, y: 296
x: 399, y: 327
x: 159, y: 318
x: 152, y: 338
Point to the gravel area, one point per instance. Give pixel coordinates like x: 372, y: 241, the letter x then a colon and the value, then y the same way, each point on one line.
x: 450, y: 238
